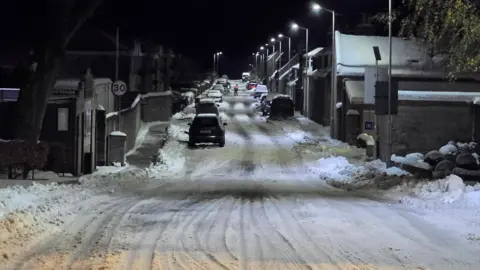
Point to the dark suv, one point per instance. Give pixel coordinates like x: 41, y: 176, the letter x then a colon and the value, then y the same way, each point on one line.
x: 206, y: 128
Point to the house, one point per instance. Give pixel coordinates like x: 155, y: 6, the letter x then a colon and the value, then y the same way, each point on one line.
x: 142, y: 66
x: 309, y: 90
x: 71, y: 122
x: 431, y: 109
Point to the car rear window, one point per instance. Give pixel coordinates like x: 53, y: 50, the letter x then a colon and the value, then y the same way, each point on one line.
x: 205, y: 122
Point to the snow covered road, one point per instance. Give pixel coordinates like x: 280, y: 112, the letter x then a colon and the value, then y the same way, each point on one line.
x: 260, y: 202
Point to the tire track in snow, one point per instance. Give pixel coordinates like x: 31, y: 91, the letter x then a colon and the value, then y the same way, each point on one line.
x: 243, y: 237
x: 305, y: 236
x: 91, y: 234
x: 247, y: 165
x: 207, y: 248
x: 298, y: 250
x: 198, y: 217
x: 282, y: 245
x: 148, y: 236
x: 63, y: 240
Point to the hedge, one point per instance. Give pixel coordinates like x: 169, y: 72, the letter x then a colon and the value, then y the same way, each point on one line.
x: 17, y: 152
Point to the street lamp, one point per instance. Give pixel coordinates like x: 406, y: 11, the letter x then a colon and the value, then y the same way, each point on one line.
x: 306, y: 92
x: 218, y: 61
x: 295, y: 27
x: 316, y: 8
x: 281, y: 36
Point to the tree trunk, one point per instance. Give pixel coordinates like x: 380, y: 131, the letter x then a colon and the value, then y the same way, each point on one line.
x: 64, y: 19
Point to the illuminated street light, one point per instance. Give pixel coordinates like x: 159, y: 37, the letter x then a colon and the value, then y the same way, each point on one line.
x: 281, y: 36
x: 272, y: 40
x: 294, y: 26
x: 261, y: 48
x: 316, y: 7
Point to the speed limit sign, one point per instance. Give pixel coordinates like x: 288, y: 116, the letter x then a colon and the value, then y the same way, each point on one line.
x: 119, y: 88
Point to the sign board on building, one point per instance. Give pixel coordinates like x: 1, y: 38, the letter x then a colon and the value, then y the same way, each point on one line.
x: 64, y: 92
x: 370, y: 80
x: 369, y: 125
x: 119, y: 88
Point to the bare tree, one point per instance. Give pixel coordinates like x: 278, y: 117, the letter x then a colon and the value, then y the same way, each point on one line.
x: 64, y: 19
x: 450, y: 27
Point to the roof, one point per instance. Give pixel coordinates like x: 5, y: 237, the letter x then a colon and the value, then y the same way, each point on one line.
x: 354, y: 53
x: 280, y: 96
x: 271, y: 55
x: 421, y: 91
x: 314, y: 52
x: 206, y: 115
x: 206, y: 101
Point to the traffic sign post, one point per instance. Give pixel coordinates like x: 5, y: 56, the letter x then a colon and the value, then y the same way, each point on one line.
x: 119, y: 88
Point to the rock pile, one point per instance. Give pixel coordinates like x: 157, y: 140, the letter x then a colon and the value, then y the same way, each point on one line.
x: 453, y: 158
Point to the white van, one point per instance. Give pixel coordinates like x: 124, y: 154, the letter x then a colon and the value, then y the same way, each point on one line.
x: 245, y: 76
x: 258, y: 91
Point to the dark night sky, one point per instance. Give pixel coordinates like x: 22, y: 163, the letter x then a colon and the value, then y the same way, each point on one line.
x: 199, y: 28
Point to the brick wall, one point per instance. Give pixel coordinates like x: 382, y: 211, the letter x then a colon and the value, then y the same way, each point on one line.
x: 421, y: 127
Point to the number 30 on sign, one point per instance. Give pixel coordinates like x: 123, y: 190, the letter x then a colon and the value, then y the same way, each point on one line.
x: 119, y: 88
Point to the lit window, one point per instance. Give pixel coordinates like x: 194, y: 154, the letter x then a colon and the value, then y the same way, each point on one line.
x: 62, y: 119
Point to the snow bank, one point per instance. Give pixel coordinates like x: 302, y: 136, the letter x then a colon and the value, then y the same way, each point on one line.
x: 183, y: 116
x: 337, y: 169
x: 177, y: 132
x: 450, y: 191
x: 26, y: 213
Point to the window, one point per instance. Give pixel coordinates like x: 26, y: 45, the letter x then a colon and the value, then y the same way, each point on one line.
x: 62, y: 119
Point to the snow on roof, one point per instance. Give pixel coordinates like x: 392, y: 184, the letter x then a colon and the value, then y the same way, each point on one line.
x: 297, y: 66
x: 207, y: 101
x: 292, y: 83
x: 282, y: 96
x: 271, y: 55
x: 274, y: 73
x: 356, y: 52
x: 206, y: 115
x: 314, y: 52
x: 409, y: 92
x: 353, y: 50
x: 118, y: 133
x: 279, y: 56
x: 284, y: 74
x: 100, y: 81
x: 71, y: 84
x: 157, y: 94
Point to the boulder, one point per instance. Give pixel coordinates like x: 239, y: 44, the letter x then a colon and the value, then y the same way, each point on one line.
x: 445, y: 165
x: 419, y: 169
x: 415, y: 157
x: 434, y: 157
x: 466, y: 161
x: 467, y: 175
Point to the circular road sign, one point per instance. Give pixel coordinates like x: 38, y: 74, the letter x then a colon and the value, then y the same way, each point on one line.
x: 119, y: 88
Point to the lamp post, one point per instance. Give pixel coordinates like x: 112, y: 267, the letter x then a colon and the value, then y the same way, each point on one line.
x: 390, y: 122
x: 281, y: 36
x: 218, y: 62
x: 273, y: 40
x: 306, y: 88
x: 333, y: 118
x: 295, y: 27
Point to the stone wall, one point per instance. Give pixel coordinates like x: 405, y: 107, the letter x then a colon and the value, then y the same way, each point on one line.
x: 146, y: 108
x: 422, y: 126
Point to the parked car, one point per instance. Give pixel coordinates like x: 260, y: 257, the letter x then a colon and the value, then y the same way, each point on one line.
x: 218, y: 87
x: 250, y: 85
x: 282, y: 107
x: 215, y: 95
x: 206, y: 105
x: 245, y: 76
x: 206, y: 128
x: 179, y: 101
x: 258, y: 91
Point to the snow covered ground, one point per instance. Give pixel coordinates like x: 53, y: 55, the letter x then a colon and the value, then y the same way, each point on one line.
x: 279, y: 195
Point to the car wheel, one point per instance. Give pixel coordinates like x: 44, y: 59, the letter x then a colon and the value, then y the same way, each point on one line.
x: 222, y: 143
x: 191, y: 144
